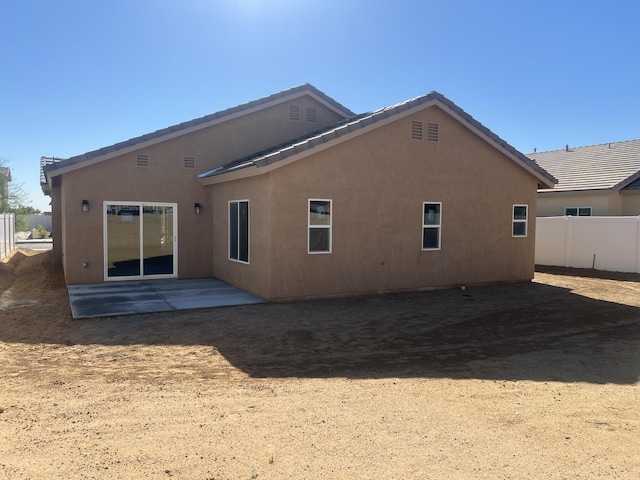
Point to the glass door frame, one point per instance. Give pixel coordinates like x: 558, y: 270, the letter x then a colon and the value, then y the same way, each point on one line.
x: 141, y: 206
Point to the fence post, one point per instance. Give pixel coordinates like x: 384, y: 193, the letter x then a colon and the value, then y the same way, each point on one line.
x: 567, y: 241
x: 7, y: 234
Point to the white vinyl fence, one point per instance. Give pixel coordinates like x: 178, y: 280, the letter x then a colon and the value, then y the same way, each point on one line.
x: 36, y: 220
x: 7, y: 234
x: 602, y: 243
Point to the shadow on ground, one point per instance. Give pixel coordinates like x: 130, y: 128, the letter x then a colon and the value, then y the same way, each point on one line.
x: 530, y: 331
x: 527, y: 331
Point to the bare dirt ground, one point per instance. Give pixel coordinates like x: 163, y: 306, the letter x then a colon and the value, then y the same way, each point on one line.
x: 536, y: 380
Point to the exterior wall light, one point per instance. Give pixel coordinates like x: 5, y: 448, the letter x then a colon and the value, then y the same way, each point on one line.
x: 85, y: 205
x: 198, y: 207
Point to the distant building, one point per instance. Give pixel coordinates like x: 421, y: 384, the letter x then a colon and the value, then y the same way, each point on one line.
x: 600, y: 180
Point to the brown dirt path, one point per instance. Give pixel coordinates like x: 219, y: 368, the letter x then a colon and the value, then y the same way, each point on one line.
x: 536, y: 380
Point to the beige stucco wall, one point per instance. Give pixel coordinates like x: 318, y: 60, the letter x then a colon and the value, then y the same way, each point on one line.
x: 630, y: 203
x: 254, y: 276
x: 120, y: 180
x: 378, y: 183
x: 166, y: 180
x: 602, y: 204
x: 57, y: 232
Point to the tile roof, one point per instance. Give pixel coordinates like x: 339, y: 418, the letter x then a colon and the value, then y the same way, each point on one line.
x: 50, y: 164
x: 358, y: 122
x: 44, y: 162
x: 609, y: 166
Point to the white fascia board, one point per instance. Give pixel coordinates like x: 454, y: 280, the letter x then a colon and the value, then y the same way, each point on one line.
x: 574, y: 193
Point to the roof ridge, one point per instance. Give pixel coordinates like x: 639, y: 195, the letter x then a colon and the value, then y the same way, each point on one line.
x: 308, y: 141
x: 133, y: 141
x: 586, y: 146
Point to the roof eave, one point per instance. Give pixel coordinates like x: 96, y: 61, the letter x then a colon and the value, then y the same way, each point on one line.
x: 178, y: 130
x: 388, y: 115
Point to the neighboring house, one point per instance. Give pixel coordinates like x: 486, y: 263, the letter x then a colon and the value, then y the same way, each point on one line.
x: 301, y: 198
x: 5, y: 178
x: 594, y: 180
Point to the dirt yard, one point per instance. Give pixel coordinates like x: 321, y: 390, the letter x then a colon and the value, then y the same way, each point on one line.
x: 530, y: 381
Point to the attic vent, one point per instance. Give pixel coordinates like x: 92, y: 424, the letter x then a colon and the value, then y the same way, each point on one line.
x: 432, y: 132
x: 189, y: 162
x: 311, y: 114
x: 142, y: 160
x: 294, y: 112
x: 416, y: 130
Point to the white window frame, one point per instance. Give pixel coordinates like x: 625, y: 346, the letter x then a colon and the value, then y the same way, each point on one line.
x: 577, y: 209
x: 105, y: 240
x: 329, y: 226
x: 238, y: 202
x: 431, y: 226
x: 515, y: 220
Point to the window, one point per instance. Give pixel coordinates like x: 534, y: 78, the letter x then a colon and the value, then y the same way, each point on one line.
x: 577, y: 212
x: 319, y: 226
x: 431, y: 225
x: 239, y: 230
x: 519, y: 221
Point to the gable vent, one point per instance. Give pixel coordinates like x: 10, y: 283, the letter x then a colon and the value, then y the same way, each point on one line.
x: 416, y: 130
x: 142, y: 160
x: 189, y: 162
x: 294, y: 112
x: 311, y: 115
x: 432, y: 132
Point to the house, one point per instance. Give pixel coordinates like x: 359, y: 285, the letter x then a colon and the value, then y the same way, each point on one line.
x: 295, y: 196
x: 597, y: 180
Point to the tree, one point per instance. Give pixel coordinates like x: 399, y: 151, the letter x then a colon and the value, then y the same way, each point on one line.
x: 13, y: 198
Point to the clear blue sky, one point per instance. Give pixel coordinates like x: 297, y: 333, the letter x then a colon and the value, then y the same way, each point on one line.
x: 77, y: 75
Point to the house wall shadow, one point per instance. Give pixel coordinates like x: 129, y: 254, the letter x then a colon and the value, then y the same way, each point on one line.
x: 527, y: 331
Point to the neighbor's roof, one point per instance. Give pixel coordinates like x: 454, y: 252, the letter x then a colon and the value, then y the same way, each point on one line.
x: 609, y: 166
x: 359, y: 122
x: 49, y: 164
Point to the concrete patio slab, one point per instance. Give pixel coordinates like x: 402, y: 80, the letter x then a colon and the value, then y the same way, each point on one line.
x: 129, y: 298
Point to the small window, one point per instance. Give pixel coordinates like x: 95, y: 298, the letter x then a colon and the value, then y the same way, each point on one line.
x: 319, y: 226
x: 294, y: 112
x: 433, y: 132
x: 577, y: 212
x: 142, y: 160
x: 239, y: 231
x: 416, y: 130
x: 519, y: 220
x: 311, y: 115
x: 431, y: 225
x: 189, y: 162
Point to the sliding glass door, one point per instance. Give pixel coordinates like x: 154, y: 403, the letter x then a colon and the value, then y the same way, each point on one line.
x: 140, y: 240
